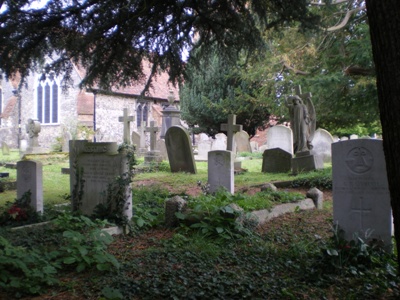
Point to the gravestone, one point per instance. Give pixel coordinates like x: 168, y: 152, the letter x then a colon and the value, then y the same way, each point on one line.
x: 353, y: 136
x: 33, y: 128
x: 4, y: 148
x: 126, y: 120
x: 221, y: 170
x: 344, y: 138
x: 220, y: 142
x: 136, y: 140
x: 242, y: 141
x: 179, y: 149
x: 254, y: 146
x: 160, y: 146
x: 96, y: 165
x: 66, y: 138
x: 153, y: 155
x: 30, y: 179
x: 322, y: 145
x: 142, y: 150
x: 171, y: 116
x: 280, y: 136
x: 203, y: 147
x: 276, y: 160
x: 361, y: 200
x: 23, y: 145
x: 231, y: 128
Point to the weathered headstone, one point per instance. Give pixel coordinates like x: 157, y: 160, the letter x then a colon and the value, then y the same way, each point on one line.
x: 23, y: 145
x: 203, y: 147
x: 30, y: 179
x: 353, y: 136
x: 322, y: 145
x: 160, y: 146
x: 66, y: 138
x: 280, y: 137
x: 179, y: 149
x: 136, y: 139
x: 96, y: 165
x: 153, y: 155
x: 4, y: 148
x: 361, y: 200
x: 221, y: 170
x: 220, y: 142
x: 254, y: 146
x: 344, y: 138
x: 33, y: 128
x: 126, y: 120
x: 276, y: 160
x: 231, y: 128
x: 242, y: 141
x: 171, y: 116
x: 142, y: 150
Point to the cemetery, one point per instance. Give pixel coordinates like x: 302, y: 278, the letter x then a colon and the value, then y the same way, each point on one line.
x: 190, y: 150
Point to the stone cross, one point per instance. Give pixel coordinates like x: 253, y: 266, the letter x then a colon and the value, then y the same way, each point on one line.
x: 153, y: 135
x: 298, y: 92
x: 231, y: 128
x: 126, y: 120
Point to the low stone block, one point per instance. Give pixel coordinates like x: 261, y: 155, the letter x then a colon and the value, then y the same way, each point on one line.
x: 317, y: 196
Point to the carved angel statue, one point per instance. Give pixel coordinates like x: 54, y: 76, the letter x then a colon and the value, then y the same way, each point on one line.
x: 303, y: 122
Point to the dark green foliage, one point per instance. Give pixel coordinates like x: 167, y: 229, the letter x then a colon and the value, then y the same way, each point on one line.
x: 321, y: 179
x: 111, y: 39
x: 214, y: 89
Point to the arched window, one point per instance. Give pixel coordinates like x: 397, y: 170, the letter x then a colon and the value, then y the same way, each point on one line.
x: 47, y: 101
x: 141, y: 114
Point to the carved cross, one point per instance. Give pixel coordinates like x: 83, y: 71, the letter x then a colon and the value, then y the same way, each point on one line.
x: 126, y: 120
x: 153, y: 135
x: 362, y: 211
x: 231, y: 128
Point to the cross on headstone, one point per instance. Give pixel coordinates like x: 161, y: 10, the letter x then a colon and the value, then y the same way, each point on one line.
x: 231, y: 128
x: 153, y: 135
x: 298, y: 92
x: 361, y: 210
x: 126, y: 120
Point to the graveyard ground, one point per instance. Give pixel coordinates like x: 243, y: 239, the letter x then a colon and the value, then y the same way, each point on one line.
x: 295, y: 256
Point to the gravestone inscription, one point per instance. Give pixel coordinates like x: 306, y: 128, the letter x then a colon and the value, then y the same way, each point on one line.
x: 361, y: 200
x: 97, y: 165
x: 30, y: 180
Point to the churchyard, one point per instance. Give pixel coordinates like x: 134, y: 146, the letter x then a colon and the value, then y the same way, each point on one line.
x: 206, y: 253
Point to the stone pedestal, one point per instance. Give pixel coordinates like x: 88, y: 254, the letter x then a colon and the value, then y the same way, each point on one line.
x: 305, y: 161
x: 153, y: 156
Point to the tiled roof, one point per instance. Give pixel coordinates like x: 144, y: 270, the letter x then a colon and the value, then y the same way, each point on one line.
x: 159, y: 88
x: 11, y: 103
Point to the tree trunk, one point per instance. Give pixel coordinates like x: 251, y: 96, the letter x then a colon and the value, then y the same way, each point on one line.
x: 384, y: 22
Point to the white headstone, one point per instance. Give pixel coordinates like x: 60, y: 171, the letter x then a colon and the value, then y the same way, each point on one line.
x: 280, y: 137
x: 203, y: 147
x: 344, y: 138
x: 231, y: 128
x: 361, y: 200
x: 221, y: 170
x: 353, y: 136
x: 30, y: 179
x: 242, y: 140
x: 162, y: 148
x: 322, y: 144
x: 219, y: 143
x: 254, y: 146
x: 126, y: 120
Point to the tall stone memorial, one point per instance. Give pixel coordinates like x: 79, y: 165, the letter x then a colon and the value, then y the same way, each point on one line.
x: 361, y: 200
x: 32, y: 129
x: 93, y: 167
x: 179, y: 149
x: 30, y: 179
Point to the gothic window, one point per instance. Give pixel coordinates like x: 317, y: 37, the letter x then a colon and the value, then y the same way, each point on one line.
x: 141, y: 114
x: 47, y: 99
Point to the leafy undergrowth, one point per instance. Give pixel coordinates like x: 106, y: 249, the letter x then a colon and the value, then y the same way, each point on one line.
x: 292, y: 257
